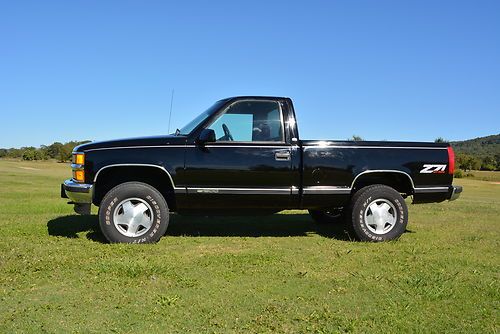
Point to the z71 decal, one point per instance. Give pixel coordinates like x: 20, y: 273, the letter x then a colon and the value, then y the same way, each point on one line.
x: 433, y: 169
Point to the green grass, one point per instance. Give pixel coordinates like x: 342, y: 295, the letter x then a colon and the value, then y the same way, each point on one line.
x: 484, y: 175
x: 280, y: 273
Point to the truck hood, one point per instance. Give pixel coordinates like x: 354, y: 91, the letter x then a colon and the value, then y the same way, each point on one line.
x: 131, y: 142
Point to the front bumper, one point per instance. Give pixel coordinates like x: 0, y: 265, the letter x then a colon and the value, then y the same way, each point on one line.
x: 76, y: 192
x: 454, y: 192
x: 79, y: 194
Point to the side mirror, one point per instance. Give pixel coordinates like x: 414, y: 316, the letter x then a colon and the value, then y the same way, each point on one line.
x: 206, y: 136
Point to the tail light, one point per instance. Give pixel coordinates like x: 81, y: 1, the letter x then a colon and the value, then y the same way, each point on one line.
x: 451, y: 160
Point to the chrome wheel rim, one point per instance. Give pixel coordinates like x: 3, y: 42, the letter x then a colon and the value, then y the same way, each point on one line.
x: 380, y: 216
x: 133, y: 217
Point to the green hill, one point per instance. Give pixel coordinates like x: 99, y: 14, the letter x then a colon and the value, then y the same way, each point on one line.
x: 481, y: 147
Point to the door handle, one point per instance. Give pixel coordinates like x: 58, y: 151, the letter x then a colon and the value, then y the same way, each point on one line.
x: 282, y: 155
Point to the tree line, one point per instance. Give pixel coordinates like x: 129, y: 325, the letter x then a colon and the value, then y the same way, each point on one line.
x: 468, y: 162
x: 481, y: 153
x: 59, y: 151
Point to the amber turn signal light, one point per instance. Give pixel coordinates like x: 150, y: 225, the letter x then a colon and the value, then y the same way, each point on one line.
x: 79, y: 159
x: 79, y: 175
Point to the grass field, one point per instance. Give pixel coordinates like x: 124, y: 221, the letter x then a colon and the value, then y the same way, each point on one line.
x: 280, y: 273
x: 484, y: 175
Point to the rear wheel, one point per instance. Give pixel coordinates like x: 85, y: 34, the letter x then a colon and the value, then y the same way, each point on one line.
x: 378, y: 213
x: 133, y: 212
x: 330, y: 216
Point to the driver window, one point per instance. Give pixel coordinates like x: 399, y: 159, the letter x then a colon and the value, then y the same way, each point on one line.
x: 248, y: 121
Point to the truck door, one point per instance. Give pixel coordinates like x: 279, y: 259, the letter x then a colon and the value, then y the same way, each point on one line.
x: 249, y: 164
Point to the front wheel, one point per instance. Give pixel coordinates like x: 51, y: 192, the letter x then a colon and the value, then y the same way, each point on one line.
x: 133, y: 212
x: 378, y: 213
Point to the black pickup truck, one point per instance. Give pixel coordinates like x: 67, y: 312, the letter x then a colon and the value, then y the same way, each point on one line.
x: 243, y: 156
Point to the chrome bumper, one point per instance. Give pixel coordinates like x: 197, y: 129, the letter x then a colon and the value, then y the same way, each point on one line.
x: 79, y: 194
x: 454, y: 192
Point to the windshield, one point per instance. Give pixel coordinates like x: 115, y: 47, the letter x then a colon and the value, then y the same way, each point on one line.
x: 188, y: 128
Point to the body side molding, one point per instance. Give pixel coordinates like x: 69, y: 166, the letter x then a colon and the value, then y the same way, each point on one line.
x: 426, y: 190
x: 240, y: 191
x: 326, y: 190
x: 375, y: 147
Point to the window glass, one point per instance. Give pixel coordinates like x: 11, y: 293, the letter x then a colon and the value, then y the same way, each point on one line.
x: 240, y: 126
x: 249, y: 121
x: 274, y: 121
x: 200, y: 118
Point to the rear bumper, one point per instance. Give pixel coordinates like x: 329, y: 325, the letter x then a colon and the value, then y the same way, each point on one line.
x: 454, y: 192
x: 436, y: 194
x: 76, y: 192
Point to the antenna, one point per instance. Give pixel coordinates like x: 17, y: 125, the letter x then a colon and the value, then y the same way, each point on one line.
x: 170, y: 115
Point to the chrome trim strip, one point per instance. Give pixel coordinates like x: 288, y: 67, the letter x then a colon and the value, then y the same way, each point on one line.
x: 136, y: 165
x: 374, y: 147
x: 187, y: 146
x: 239, y: 191
x: 284, y: 146
x: 383, y: 171
x: 295, y: 190
x: 424, y: 190
x: 77, y: 167
x: 131, y: 147
x: 324, y: 190
x: 180, y: 190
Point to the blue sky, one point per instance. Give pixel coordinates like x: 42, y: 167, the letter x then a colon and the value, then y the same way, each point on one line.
x: 392, y: 70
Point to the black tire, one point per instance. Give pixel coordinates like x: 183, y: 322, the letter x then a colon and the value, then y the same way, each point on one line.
x: 152, y: 210
x: 333, y: 216
x: 378, y: 213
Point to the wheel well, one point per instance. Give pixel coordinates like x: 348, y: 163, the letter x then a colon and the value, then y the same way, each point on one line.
x: 110, y: 177
x: 399, y: 181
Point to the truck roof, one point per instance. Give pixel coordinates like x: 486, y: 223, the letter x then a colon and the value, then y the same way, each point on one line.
x: 254, y: 97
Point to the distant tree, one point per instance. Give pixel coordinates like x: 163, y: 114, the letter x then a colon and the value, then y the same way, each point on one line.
x: 355, y: 138
x: 43, y: 152
x: 3, y: 152
x: 475, y: 163
x: 64, y: 154
x: 488, y: 163
x: 15, y: 153
x: 29, y: 153
x: 54, y: 150
x: 40, y: 155
x: 467, y: 162
x: 440, y: 140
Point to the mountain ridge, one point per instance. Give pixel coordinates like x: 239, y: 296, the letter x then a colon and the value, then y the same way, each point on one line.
x: 480, y: 147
